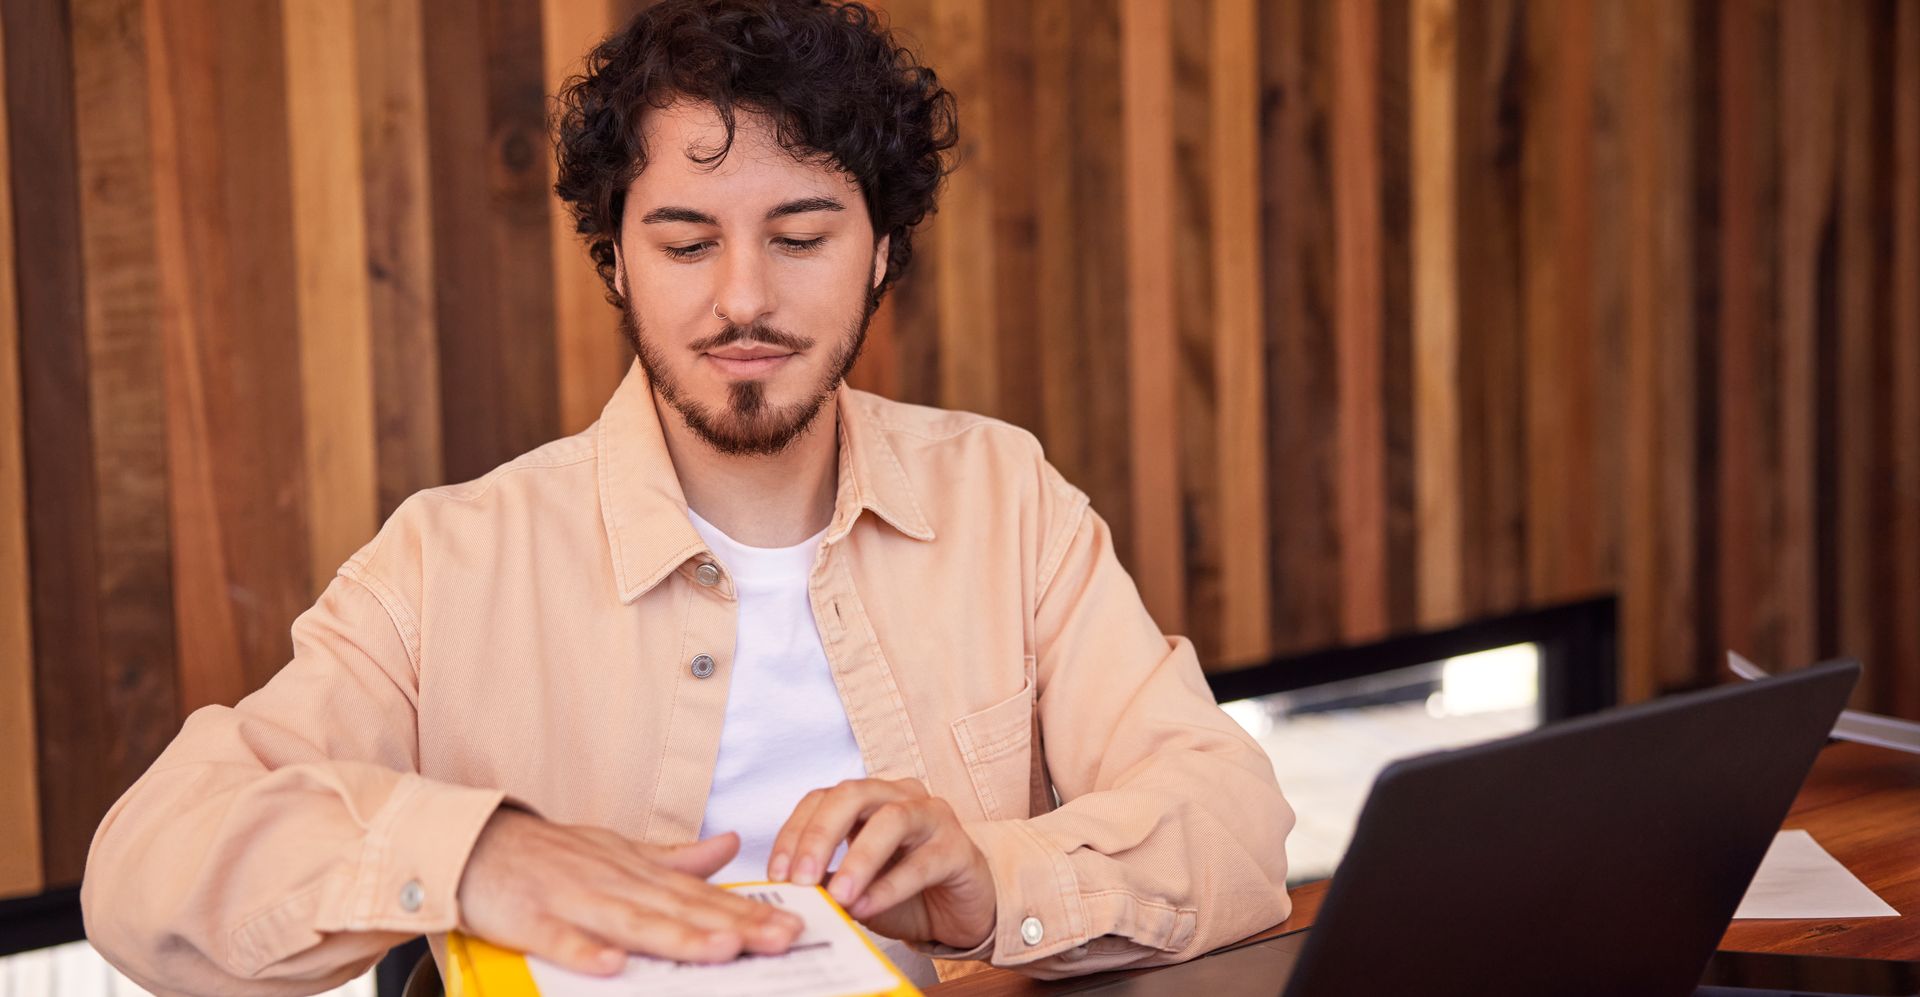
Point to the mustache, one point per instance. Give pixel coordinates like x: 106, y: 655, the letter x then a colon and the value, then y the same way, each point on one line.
x: 755, y: 333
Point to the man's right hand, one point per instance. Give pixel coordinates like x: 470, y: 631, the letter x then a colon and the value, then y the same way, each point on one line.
x: 584, y: 897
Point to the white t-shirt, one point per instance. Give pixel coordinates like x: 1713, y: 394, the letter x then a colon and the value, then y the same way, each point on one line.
x: 786, y: 730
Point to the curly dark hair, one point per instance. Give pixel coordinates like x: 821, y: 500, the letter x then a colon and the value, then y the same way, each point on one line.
x: 830, y: 76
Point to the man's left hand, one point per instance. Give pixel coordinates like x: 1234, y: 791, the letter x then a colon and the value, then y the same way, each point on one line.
x: 910, y: 871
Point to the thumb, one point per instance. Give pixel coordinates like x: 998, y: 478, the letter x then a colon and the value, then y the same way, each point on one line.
x: 700, y: 858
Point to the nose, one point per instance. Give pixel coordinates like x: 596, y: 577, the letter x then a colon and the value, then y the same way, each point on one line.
x: 745, y: 293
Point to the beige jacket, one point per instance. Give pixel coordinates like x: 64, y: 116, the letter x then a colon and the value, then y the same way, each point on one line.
x: 530, y: 634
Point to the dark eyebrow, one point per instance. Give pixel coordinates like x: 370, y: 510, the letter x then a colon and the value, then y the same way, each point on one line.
x: 804, y: 205
x: 796, y: 207
x: 658, y: 215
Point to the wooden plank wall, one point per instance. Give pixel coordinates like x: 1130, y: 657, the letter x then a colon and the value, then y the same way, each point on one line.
x: 1353, y: 318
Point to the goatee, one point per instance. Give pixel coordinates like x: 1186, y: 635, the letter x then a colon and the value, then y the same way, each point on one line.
x: 748, y: 425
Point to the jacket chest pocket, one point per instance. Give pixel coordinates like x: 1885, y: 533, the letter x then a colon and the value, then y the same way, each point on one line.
x: 997, y: 745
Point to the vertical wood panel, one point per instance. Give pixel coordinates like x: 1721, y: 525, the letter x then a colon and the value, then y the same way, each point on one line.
x: 1904, y: 530
x: 1660, y: 640
x: 968, y: 334
x: 62, y: 511
x: 1851, y: 565
x: 1436, y: 312
x: 918, y: 368
x: 20, y: 871
x: 1808, y: 48
x: 1239, y: 355
x: 1359, y: 286
x: 58, y: 453
x: 136, y: 710
x: 1746, y: 340
x: 330, y: 248
x: 493, y: 258
x: 401, y: 296
x: 590, y: 354
x: 1605, y: 266
x: 1153, y: 426
x: 1493, y: 109
x: 1196, y: 389
x: 1082, y: 317
x: 1009, y: 84
x: 1557, y: 192
x: 1394, y: 142
x: 1299, y: 288
x: 235, y: 439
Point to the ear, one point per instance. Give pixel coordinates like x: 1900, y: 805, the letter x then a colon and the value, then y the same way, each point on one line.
x: 880, y: 260
x: 619, y: 272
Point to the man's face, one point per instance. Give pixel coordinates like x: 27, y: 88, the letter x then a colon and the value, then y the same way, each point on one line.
x: 747, y: 283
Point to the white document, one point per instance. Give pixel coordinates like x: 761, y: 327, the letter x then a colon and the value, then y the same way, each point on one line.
x: 1853, y: 725
x: 830, y: 958
x: 1798, y: 879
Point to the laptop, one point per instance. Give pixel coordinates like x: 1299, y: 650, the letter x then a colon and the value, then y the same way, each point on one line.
x: 1600, y: 856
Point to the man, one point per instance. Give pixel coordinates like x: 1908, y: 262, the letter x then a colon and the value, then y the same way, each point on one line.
x: 751, y: 624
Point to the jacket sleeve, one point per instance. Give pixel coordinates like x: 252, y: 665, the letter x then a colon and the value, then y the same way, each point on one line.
x: 1170, y: 840
x: 284, y: 844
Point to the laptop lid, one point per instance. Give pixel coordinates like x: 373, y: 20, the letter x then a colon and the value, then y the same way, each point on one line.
x: 1603, y: 855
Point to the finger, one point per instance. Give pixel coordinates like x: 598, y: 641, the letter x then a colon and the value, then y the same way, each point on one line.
x: 780, y: 855
x: 567, y: 945
x: 889, y: 829
x: 699, y: 859
x: 712, y: 907
x: 832, y: 820
x: 919, y: 869
x: 651, y: 932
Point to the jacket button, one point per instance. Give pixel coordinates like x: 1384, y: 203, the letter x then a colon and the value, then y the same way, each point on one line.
x: 1031, y: 932
x: 412, y: 896
x: 707, y: 574
x: 702, y: 665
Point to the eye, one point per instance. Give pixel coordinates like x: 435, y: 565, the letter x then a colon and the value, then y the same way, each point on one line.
x: 685, y: 252
x: 801, y: 245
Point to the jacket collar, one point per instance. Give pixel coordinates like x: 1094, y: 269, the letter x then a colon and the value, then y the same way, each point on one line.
x: 645, y: 511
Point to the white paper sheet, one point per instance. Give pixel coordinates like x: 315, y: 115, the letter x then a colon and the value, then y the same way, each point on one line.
x: 829, y: 959
x: 1798, y: 879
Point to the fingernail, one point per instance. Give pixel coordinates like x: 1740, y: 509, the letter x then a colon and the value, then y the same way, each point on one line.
x: 863, y: 908
x: 722, y: 939
x: 612, y: 958
x: 840, y: 889
x: 777, y: 869
x: 807, y: 873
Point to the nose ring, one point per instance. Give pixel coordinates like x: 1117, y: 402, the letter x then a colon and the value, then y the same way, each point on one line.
x: 716, y: 312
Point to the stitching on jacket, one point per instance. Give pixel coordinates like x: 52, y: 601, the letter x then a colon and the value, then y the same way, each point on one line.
x: 603, y: 448
x: 673, y: 713
x: 1050, y: 563
x: 398, y: 615
x: 886, y: 671
x: 906, y: 485
x: 373, y: 862
x: 1177, y: 916
x: 240, y: 937
x: 1065, y: 882
x: 468, y: 491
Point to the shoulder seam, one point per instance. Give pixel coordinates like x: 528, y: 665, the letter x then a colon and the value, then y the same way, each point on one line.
x: 403, y: 621
x: 1057, y: 552
x: 471, y: 490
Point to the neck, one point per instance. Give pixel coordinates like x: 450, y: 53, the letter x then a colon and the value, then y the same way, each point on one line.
x: 760, y: 501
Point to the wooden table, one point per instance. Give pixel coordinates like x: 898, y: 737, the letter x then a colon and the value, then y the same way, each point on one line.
x: 1861, y: 804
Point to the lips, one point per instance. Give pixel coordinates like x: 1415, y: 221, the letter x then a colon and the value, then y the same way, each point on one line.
x: 747, y: 362
x: 752, y: 353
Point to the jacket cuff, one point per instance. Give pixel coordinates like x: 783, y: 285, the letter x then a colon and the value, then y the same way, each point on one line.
x: 416, y: 852
x: 1038, y: 912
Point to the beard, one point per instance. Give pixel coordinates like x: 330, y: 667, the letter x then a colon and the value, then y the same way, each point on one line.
x: 748, y: 425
